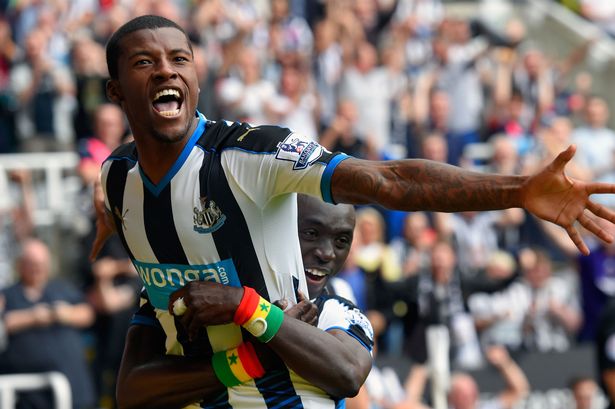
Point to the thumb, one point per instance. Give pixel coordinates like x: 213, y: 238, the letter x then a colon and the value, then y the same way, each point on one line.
x: 282, y: 304
x: 301, y: 296
x: 564, y: 157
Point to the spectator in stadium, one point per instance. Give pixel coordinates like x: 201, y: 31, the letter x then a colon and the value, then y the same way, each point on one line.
x: 342, y: 135
x: 434, y: 147
x: 596, y: 277
x: 371, y: 88
x: 464, y: 392
x: 43, y: 89
x: 595, y: 141
x: 325, y: 235
x: 43, y: 318
x: 553, y: 314
x: 295, y: 105
x: 88, y: 65
x: 157, y: 88
x: 328, y: 66
x: 438, y: 293
x: 551, y: 139
x: 585, y: 392
x: 9, y: 54
x: 601, y: 13
x: 476, y: 235
x: 16, y: 219
x: 109, y: 129
x: 414, y: 248
x: 605, y: 351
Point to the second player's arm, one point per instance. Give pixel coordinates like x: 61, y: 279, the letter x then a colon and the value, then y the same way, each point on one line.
x: 150, y: 379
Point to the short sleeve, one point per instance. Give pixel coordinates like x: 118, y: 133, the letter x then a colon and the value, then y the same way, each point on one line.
x: 338, y: 313
x: 293, y: 163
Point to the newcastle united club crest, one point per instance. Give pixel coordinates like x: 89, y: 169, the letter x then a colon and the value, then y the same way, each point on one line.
x: 208, y: 218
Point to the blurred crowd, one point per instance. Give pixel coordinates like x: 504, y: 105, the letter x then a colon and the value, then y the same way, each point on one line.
x: 377, y: 79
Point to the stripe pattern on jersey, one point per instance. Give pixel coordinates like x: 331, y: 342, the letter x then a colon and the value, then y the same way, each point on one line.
x: 159, y: 232
x: 278, y: 390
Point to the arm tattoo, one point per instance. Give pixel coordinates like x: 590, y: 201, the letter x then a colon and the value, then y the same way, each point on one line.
x: 417, y: 184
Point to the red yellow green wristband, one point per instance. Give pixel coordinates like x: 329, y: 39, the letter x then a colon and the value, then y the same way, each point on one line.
x: 258, y: 316
x: 237, y: 365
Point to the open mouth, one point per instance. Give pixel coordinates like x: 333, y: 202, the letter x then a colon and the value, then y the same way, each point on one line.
x: 316, y: 275
x: 168, y: 102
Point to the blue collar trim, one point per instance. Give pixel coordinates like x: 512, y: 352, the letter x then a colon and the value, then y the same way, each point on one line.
x: 156, y: 189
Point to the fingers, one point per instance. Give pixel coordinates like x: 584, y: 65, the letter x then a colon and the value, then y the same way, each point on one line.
x: 282, y: 304
x: 598, y: 187
x: 601, y: 211
x: 594, y: 228
x: 308, y: 312
x: 301, y: 296
x: 564, y: 157
x: 577, y: 240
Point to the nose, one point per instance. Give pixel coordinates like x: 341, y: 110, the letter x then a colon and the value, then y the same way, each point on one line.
x: 165, y: 70
x: 325, y: 252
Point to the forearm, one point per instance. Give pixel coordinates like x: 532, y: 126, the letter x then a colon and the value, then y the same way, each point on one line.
x: 168, y: 382
x: 19, y: 320
x: 149, y: 378
x: 336, y: 365
x: 517, y: 385
x: 78, y: 316
x: 417, y: 184
x: 570, y: 318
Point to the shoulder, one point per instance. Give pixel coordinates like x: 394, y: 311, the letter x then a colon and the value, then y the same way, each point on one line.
x: 125, y: 152
x: 222, y: 135
x: 339, y: 313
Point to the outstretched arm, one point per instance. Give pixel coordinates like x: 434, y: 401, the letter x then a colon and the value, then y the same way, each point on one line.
x: 416, y: 184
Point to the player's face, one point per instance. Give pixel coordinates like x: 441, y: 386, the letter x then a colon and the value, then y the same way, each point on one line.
x: 157, y: 85
x: 325, y: 236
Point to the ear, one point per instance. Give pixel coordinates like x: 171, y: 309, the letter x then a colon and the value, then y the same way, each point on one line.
x: 114, y: 93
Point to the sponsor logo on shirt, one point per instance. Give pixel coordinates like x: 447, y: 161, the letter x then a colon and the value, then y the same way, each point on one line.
x: 208, y: 218
x: 299, y: 151
x: 160, y: 280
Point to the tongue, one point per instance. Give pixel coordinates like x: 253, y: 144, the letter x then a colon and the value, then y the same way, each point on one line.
x: 166, y: 106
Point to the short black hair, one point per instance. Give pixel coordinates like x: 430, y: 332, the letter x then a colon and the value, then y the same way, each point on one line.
x: 146, y: 22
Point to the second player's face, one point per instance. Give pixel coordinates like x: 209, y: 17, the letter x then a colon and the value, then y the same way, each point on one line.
x: 157, y: 84
x: 325, y: 236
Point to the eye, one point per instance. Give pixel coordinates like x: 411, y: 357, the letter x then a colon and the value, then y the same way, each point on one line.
x: 181, y: 59
x: 143, y: 61
x: 309, y: 234
x: 342, y: 242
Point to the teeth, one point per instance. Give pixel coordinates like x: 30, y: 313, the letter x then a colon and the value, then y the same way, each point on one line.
x: 315, y: 272
x: 169, y: 113
x: 166, y: 92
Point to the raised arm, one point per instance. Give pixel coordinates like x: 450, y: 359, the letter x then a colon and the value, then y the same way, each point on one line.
x: 517, y: 385
x: 416, y: 184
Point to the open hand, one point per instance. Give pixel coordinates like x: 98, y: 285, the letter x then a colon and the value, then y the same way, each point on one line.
x: 553, y: 196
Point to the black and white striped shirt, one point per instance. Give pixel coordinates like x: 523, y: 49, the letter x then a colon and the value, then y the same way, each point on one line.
x: 225, y: 211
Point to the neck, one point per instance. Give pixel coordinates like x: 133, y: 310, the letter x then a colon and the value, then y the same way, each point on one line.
x: 156, y: 158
